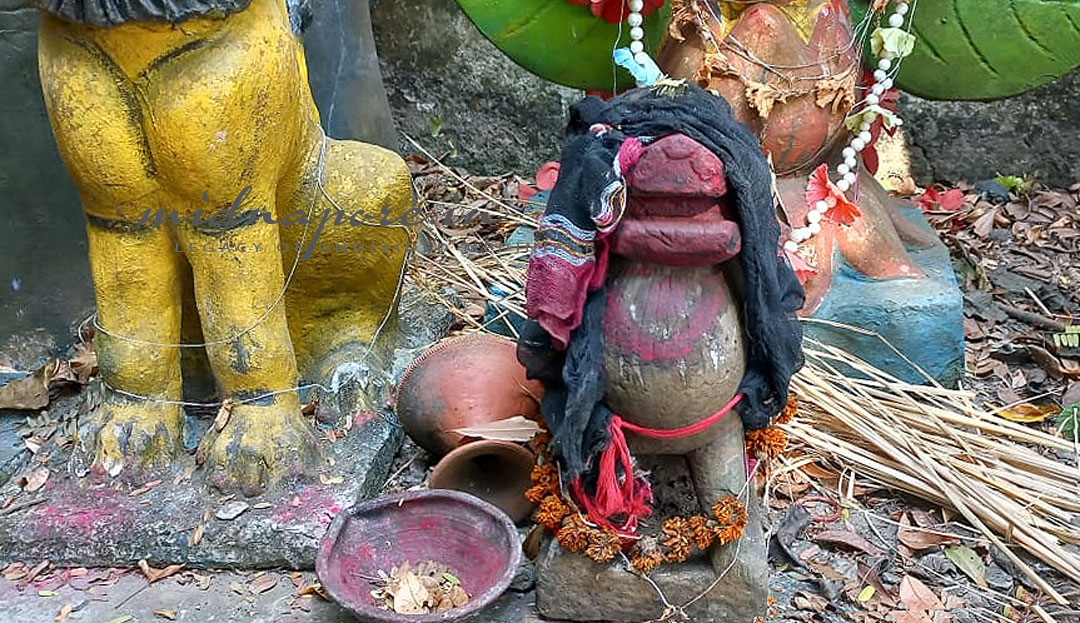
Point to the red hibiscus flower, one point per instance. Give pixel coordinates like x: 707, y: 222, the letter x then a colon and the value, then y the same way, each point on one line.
x: 950, y: 200
x: 546, y: 176
x: 820, y: 188
x: 616, y: 11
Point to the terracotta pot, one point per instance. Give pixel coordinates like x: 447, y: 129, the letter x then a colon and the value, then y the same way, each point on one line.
x: 461, y: 382
x: 497, y: 472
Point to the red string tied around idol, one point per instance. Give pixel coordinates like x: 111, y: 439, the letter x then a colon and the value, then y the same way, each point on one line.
x: 628, y: 502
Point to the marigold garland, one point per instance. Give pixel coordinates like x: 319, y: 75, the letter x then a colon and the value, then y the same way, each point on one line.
x: 647, y: 554
x: 673, y: 544
x: 702, y: 533
x: 677, y: 539
x: 573, y: 536
x: 604, y: 545
x: 765, y: 443
x: 791, y: 409
x: 551, y: 513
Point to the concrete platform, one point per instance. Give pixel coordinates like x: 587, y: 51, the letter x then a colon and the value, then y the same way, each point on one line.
x: 922, y: 318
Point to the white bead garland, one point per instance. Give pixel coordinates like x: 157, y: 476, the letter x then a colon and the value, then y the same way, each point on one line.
x: 859, y: 141
x: 637, y: 34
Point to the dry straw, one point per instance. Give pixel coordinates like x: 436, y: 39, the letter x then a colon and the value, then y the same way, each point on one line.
x: 936, y: 444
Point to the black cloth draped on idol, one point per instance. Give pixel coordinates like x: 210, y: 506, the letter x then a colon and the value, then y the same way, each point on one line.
x: 561, y: 267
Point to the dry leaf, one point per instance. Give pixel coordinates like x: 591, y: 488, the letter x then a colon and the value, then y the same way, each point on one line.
x: 262, y: 583
x: 910, y: 616
x: 196, y: 535
x: 202, y: 582
x: 837, y: 92
x: 810, y: 601
x: 848, y: 539
x: 762, y: 97
x: 314, y: 588
x: 919, y: 539
x: 222, y: 417
x: 985, y: 223
x: 516, y: 428
x: 29, y: 392
x: 64, y: 612
x: 458, y: 596
x: 166, y: 614
x: 916, y: 596
x: 85, y: 363
x: 1028, y: 413
x: 410, y: 596
x: 153, y: 575
x: 34, y: 479
x: 145, y: 488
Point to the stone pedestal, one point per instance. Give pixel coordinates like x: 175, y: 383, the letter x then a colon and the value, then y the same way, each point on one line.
x: 101, y: 523
x: 572, y: 587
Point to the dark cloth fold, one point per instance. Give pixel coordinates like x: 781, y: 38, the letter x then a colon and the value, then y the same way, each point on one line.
x: 573, y: 403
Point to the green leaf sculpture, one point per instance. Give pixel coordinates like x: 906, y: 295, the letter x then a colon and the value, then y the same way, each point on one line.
x: 560, y: 41
x: 987, y: 49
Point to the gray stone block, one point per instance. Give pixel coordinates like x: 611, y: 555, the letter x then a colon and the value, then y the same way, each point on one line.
x: 459, y: 96
x: 1034, y: 133
x: 574, y: 588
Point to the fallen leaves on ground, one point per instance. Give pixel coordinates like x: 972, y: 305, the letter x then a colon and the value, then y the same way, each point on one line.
x: 154, y: 575
x: 917, y: 596
x: 920, y: 538
x: 1014, y: 247
x: 29, y: 392
x: 65, y: 612
x: 262, y: 583
x: 33, y: 392
x: 969, y: 562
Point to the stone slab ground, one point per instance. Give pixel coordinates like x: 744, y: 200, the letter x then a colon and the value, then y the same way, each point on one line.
x: 77, y: 522
x: 229, y: 598
x: 85, y: 522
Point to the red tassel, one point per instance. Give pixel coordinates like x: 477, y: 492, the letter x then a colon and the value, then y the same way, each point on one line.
x: 630, y: 499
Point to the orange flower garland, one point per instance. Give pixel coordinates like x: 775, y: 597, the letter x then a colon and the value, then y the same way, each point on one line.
x: 765, y: 443
x: 674, y: 543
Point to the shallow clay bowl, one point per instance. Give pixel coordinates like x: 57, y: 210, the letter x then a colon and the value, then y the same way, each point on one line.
x: 477, y: 541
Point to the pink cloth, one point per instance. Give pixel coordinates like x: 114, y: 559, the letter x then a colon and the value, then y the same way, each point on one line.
x: 555, y: 291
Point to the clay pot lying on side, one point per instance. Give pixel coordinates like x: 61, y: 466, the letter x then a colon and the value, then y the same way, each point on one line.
x: 497, y: 472
x: 463, y: 382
